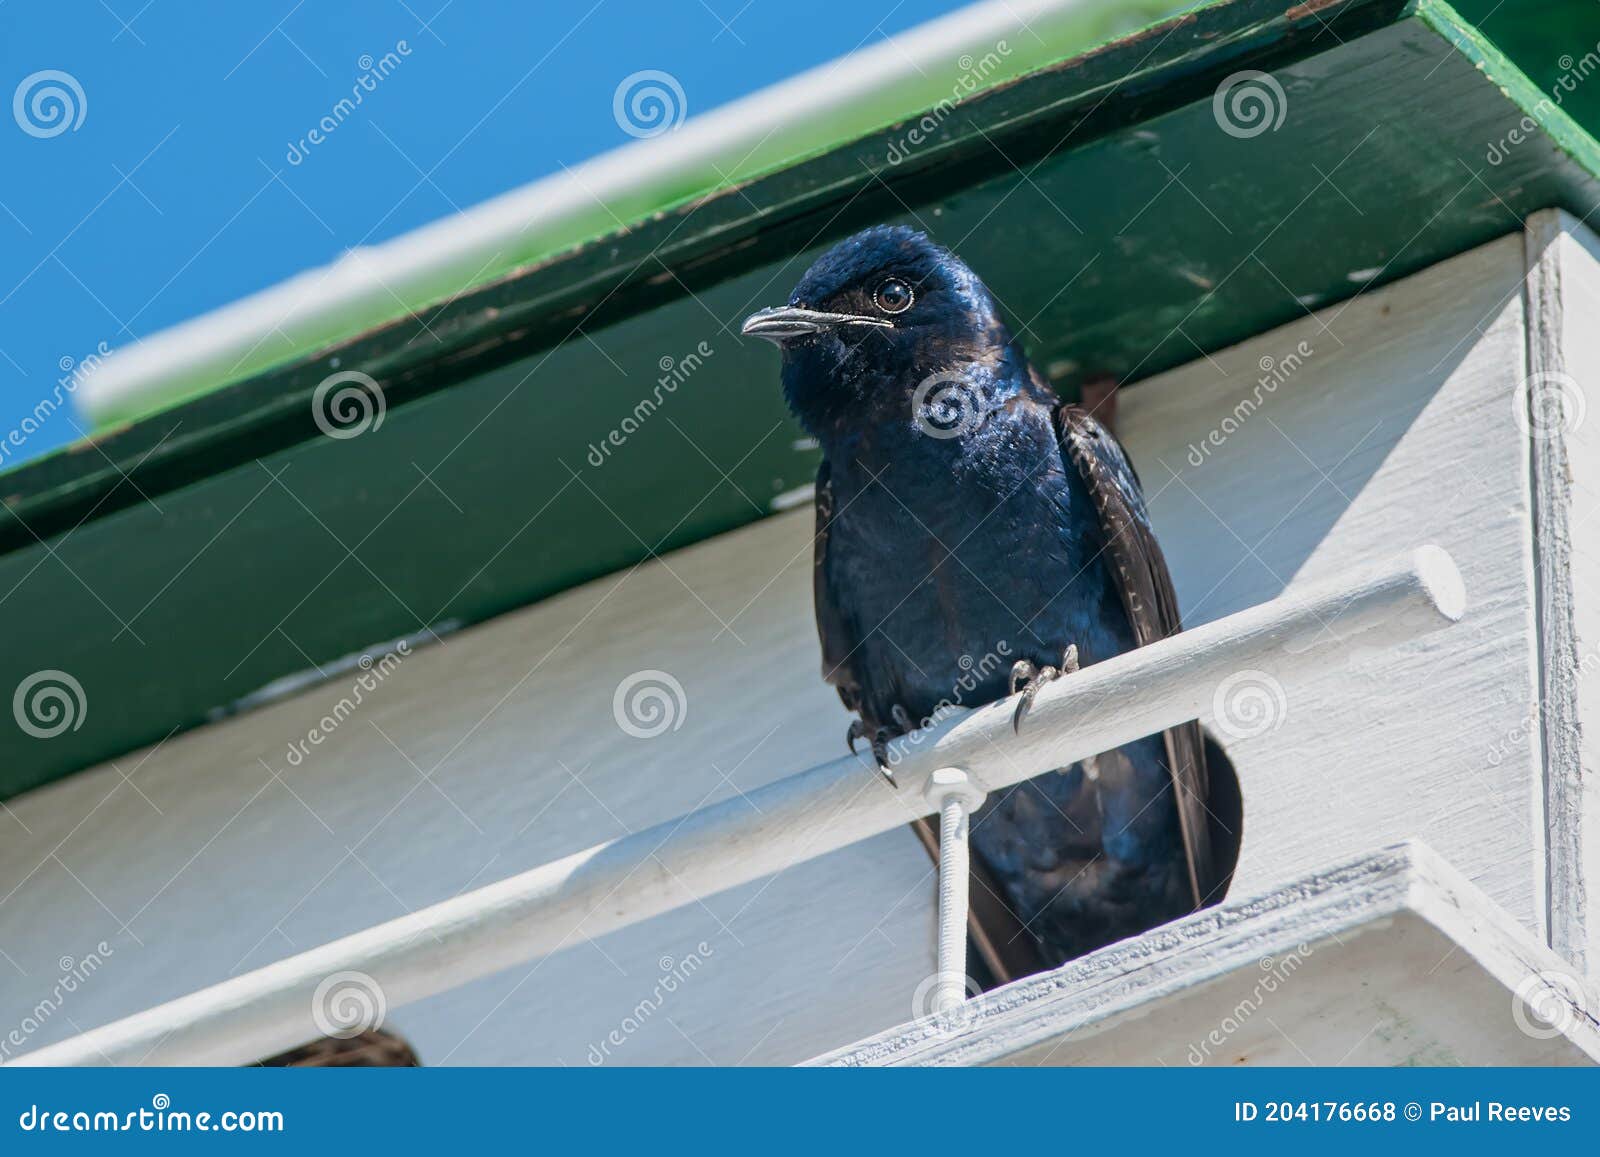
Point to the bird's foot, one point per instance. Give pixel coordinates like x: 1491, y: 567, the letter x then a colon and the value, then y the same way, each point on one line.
x: 880, y: 745
x: 1028, y: 678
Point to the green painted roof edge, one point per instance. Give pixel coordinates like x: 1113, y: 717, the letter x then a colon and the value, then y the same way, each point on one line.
x: 1567, y: 134
x: 1057, y: 36
x: 221, y: 427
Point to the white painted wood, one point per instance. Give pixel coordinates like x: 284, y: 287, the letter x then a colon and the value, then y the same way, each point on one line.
x: 1391, y: 959
x: 1397, y: 426
x: 771, y: 828
x: 220, y: 856
x: 1562, y: 388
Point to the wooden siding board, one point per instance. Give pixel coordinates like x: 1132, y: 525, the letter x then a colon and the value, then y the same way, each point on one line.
x: 1398, y: 429
x: 219, y: 855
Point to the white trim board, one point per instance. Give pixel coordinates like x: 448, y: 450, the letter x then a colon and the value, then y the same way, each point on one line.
x: 1563, y: 301
x: 1393, y: 958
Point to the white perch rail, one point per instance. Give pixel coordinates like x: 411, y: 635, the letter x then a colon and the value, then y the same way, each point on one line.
x: 803, y: 816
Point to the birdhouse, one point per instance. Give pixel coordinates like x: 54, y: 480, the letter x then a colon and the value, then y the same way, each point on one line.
x: 444, y: 674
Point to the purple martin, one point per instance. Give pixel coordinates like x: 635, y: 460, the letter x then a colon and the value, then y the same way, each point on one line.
x: 963, y: 513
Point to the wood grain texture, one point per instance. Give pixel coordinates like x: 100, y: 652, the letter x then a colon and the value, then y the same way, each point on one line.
x: 1394, y: 427
x: 1389, y: 959
x: 1563, y: 294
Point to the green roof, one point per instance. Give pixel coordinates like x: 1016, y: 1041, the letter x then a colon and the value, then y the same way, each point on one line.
x: 943, y: 60
x: 181, y: 562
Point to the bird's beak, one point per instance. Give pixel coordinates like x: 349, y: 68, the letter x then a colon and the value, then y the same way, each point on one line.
x: 783, y: 322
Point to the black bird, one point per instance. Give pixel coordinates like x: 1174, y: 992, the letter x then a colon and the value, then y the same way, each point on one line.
x: 963, y: 512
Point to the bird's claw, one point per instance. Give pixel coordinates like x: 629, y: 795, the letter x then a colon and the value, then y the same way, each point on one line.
x: 1028, y: 678
x: 880, y: 746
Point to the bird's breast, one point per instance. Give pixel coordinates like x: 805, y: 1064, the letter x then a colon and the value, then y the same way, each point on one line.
x: 958, y: 559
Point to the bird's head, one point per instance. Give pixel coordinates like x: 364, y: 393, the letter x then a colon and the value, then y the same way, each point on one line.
x: 876, y: 315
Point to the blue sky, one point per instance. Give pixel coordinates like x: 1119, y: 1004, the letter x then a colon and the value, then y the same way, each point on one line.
x: 173, y: 194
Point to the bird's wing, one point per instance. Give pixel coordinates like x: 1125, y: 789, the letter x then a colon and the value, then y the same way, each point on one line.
x: 1142, y: 579
x: 834, y: 629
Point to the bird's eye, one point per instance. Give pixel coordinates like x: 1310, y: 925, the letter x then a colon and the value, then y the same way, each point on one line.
x: 893, y: 296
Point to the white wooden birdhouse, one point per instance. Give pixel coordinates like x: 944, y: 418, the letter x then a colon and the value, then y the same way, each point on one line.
x: 453, y: 687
